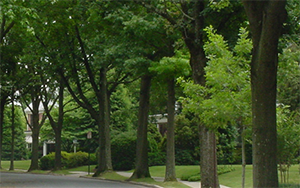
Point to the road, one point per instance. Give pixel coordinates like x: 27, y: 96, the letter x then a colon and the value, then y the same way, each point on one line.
x: 18, y: 180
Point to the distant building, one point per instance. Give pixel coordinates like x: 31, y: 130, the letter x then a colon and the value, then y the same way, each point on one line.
x: 161, y: 121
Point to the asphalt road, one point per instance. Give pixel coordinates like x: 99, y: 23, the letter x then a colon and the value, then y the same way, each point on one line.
x: 18, y: 180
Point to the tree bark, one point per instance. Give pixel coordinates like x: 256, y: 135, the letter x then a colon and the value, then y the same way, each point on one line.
x: 104, y: 160
x: 34, y: 165
x: 2, y: 105
x: 243, y: 157
x: 57, y: 165
x: 266, y: 20
x: 208, y: 162
x: 58, y: 126
x: 35, y: 126
x: 170, y: 161
x: 142, y: 168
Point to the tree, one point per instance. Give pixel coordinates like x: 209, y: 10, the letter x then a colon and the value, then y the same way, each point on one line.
x: 224, y: 101
x: 141, y: 166
x: 168, y: 70
x: 266, y: 19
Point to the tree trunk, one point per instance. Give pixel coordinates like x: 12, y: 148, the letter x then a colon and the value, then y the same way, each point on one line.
x: 57, y: 165
x: 35, y: 150
x: 208, y: 162
x: 243, y: 157
x: 35, y: 128
x: 170, y: 162
x: 2, y: 105
x: 266, y: 19
x: 13, y: 132
x: 142, y: 168
x: 104, y: 160
x: 208, y: 154
x: 57, y: 126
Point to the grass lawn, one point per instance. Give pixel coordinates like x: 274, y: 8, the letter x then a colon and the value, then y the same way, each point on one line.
x: 22, y: 165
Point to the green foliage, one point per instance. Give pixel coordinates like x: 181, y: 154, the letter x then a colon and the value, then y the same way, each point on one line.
x: 122, y: 108
x: 77, y: 123
x: 186, y: 141
x: 226, y: 95
x: 227, y: 145
x: 155, y: 154
x: 289, y: 76
x: 68, y: 160
x: 288, y: 130
x: 172, y: 67
x: 47, y: 162
x: 78, y: 159
x: 123, y: 150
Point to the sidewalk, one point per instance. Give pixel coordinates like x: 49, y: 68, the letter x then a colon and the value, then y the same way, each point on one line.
x: 188, y: 183
x: 160, y: 179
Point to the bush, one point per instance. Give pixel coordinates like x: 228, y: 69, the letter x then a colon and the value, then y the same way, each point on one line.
x: 185, y: 157
x: 68, y: 160
x: 123, y: 150
x: 47, y: 162
x: 155, y: 155
x: 78, y: 159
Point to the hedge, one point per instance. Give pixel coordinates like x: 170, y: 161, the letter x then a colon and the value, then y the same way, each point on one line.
x: 68, y: 160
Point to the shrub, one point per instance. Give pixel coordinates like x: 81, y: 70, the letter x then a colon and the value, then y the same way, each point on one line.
x: 185, y: 157
x: 68, y: 160
x: 123, y: 150
x: 155, y: 155
x: 78, y: 159
x: 93, y: 159
x: 47, y: 162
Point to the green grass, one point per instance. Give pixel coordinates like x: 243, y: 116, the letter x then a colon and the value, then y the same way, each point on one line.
x: 22, y: 165
x: 83, y: 168
x: 234, y: 179
x: 113, y: 176
x: 159, y: 171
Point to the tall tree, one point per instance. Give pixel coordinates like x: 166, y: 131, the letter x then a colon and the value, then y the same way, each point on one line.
x: 168, y: 70
x: 141, y: 166
x: 266, y: 19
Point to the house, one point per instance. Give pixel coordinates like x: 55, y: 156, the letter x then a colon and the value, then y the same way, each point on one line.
x: 161, y: 121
